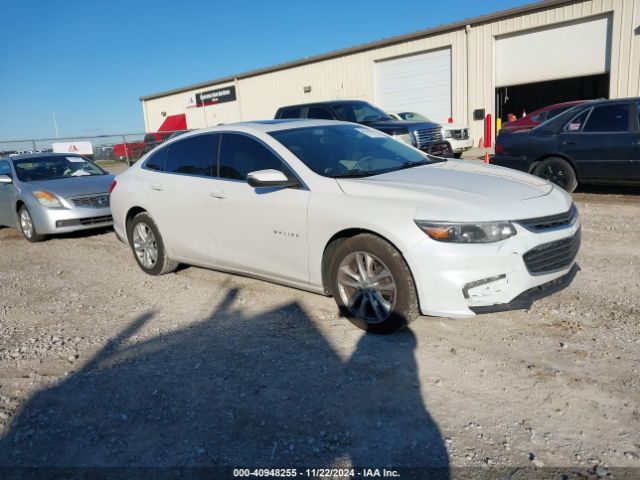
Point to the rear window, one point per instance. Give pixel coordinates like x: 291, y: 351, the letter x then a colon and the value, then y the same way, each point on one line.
x: 291, y: 112
x: 319, y: 113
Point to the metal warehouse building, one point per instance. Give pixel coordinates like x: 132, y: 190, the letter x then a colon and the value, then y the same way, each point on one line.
x: 506, y: 62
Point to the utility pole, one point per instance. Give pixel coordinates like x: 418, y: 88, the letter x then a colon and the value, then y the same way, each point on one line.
x: 55, y: 124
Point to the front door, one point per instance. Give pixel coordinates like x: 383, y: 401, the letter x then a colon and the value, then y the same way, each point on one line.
x: 7, y: 215
x: 257, y: 230
x: 601, y: 141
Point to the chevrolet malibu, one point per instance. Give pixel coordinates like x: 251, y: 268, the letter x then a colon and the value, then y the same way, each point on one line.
x: 49, y: 193
x: 345, y: 210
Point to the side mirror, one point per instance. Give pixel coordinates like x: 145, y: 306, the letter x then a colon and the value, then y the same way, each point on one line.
x: 269, y: 178
x: 5, y: 179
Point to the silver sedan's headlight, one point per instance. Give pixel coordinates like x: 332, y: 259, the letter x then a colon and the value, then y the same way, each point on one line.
x: 467, y: 232
x: 47, y: 199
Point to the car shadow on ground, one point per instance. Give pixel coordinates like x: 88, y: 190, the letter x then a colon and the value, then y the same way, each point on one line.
x: 526, y: 299
x: 234, y: 390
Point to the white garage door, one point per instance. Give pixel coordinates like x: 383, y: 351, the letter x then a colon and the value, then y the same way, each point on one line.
x: 417, y: 83
x: 571, y: 50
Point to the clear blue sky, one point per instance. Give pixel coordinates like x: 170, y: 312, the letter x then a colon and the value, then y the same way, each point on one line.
x: 90, y: 60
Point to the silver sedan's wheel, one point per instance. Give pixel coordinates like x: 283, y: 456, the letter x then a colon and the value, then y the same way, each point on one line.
x: 145, y: 245
x: 28, y: 229
x: 366, y: 287
x: 26, y: 223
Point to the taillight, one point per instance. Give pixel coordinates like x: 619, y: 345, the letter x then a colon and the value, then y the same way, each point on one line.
x: 499, y: 148
x: 112, y: 186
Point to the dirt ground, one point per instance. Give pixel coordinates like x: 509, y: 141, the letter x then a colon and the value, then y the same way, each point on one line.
x: 101, y: 365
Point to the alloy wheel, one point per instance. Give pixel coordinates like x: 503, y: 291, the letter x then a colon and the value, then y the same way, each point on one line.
x: 145, y: 245
x: 26, y: 223
x: 366, y: 287
x: 555, y: 175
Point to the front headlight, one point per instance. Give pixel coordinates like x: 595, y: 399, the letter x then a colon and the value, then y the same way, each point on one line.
x: 404, y: 136
x: 467, y: 232
x: 47, y: 199
x: 446, y: 133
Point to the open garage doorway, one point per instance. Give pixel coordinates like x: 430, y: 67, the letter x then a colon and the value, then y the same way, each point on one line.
x: 524, y: 99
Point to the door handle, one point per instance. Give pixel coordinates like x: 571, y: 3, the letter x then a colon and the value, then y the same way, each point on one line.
x: 219, y: 194
x: 157, y: 187
x: 568, y: 142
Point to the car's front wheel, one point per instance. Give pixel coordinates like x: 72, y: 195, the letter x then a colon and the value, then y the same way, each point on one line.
x: 372, y: 284
x: 559, y: 171
x: 28, y: 229
x: 148, y: 247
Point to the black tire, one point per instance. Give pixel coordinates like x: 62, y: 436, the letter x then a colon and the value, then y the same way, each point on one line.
x: 30, y: 235
x: 405, y: 306
x: 558, y: 171
x: 163, y: 264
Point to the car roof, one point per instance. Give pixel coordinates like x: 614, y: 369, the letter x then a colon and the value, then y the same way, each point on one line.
x: 26, y: 156
x: 324, y: 102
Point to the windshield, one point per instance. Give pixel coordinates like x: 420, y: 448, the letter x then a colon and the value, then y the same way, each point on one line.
x: 359, y: 112
x: 413, y: 116
x: 350, y: 151
x: 54, y: 167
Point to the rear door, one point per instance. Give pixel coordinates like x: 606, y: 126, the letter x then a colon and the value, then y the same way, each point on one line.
x: 636, y: 158
x: 600, y: 140
x: 179, y: 195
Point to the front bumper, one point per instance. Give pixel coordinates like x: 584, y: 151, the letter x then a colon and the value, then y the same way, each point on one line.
x: 58, y: 220
x: 453, y: 278
x: 441, y: 149
x: 459, y: 146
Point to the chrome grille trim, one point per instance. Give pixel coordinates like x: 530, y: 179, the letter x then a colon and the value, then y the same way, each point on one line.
x: 552, y: 256
x: 93, y: 201
x: 427, y: 136
x: 560, y: 220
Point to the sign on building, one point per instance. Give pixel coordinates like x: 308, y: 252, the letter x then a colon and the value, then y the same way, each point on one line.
x: 212, y: 97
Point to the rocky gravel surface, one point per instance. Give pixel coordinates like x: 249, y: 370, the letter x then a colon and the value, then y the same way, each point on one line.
x: 101, y: 365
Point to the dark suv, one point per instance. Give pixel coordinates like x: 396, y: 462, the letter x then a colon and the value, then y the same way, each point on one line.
x: 427, y: 136
x: 594, y: 142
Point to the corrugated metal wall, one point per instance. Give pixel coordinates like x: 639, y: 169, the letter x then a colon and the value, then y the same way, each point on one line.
x: 352, y: 76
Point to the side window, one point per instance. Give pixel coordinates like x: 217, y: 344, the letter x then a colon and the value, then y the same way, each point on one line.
x: 609, y: 118
x: 538, y: 117
x: 577, y: 122
x: 156, y: 160
x: 195, y: 155
x: 556, y: 111
x: 638, y: 109
x: 240, y: 155
x: 5, y: 168
x: 293, y: 112
x: 320, y: 113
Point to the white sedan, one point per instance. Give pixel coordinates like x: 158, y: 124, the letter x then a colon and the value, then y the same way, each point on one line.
x: 344, y: 210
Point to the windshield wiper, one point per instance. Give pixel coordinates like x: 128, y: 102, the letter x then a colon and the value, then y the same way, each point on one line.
x: 353, y: 174
x: 414, y: 164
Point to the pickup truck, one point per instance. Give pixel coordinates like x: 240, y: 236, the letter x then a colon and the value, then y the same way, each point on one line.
x: 427, y: 136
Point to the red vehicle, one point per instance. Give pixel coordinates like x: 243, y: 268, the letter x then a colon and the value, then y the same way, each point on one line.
x: 539, y: 116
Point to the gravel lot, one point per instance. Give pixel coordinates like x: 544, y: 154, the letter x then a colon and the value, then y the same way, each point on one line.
x: 101, y: 365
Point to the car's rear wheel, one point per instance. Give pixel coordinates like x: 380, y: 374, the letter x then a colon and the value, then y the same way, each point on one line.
x: 28, y: 229
x: 372, y: 284
x: 558, y: 171
x: 148, y: 247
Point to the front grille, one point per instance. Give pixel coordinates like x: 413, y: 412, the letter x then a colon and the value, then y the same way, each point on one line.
x: 462, y: 134
x: 427, y: 136
x: 96, y: 220
x: 553, y: 256
x: 553, y: 221
x: 94, y: 201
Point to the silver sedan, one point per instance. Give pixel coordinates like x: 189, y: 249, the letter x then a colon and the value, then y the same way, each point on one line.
x: 49, y: 193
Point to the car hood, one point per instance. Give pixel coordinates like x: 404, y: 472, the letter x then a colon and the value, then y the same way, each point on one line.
x: 391, y: 124
x: 454, y: 189
x: 73, y: 186
x: 454, y: 126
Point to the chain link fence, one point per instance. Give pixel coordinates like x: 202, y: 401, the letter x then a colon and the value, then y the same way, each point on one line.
x: 127, y: 148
